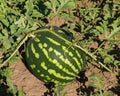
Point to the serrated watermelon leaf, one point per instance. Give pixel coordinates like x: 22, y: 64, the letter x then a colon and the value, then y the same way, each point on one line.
x: 21, y: 22
x: 5, y: 22
x: 13, y: 59
x: 13, y: 28
x: 100, y: 29
x: 20, y: 93
x: 12, y: 88
x: 70, y: 4
x: 5, y: 32
x: 37, y: 14
x: 48, y: 4
x: 6, y: 44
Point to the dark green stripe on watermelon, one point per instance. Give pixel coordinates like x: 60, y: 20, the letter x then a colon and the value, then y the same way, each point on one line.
x: 52, y: 58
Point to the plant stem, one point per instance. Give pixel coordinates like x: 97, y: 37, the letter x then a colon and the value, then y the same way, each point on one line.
x: 20, y: 44
x: 32, y: 33
x: 93, y: 57
x: 99, y: 47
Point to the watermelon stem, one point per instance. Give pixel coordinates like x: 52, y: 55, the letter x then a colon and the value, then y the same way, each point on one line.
x: 89, y: 54
x: 32, y: 33
x: 17, y: 48
x: 25, y: 38
x: 93, y: 57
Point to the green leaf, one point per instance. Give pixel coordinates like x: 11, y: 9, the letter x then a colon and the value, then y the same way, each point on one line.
x: 6, y: 44
x: 48, y: 4
x: 5, y: 22
x: 6, y: 72
x: 13, y: 28
x: 21, y: 22
x: 96, y: 81
x: 71, y: 4
x: 100, y: 29
x: 107, y: 12
x: 12, y: 88
x: 21, y: 93
x: 5, y: 32
x: 37, y: 14
x: 109, y: 59
x: 13, y: 59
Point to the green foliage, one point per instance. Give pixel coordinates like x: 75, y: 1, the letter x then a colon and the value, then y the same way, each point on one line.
x: 7, y: 87
x: 97, y: 22
x: 57, y: 6
x: 17, y: 18
x: 97, y: 82
x: 59, y: 90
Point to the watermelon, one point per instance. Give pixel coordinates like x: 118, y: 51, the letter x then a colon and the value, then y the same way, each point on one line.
x: 52, y: 57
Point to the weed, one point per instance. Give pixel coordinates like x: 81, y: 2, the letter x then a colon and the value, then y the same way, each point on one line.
x: 99, y: 22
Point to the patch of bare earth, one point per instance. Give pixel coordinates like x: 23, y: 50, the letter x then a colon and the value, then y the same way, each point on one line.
x: 32, y: 86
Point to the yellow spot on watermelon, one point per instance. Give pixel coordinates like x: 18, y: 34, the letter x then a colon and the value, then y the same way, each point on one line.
x: 37, y: 39
x: 33, y: 66
x: 43, y: 65
x: 78, y: 54
x: 38, y: 71
x: 45, y: 45
x: 57, y: 52
x: 40, y: 45
x: 71, y: 54
x: 34, y: 51
x: 53, y: 41
x: 50, y: 49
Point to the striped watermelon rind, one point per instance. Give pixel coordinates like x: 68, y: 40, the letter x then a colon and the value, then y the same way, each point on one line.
x: 53, y: 58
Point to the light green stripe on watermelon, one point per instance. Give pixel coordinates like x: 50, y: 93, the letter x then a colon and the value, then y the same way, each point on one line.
x: 34, y: 51
x: 67, y: 51
x: 77, y: 53
x: 65, y: 48
x: 43, y: 66
x: 50, y: 49
x: 56, y: 63
x: 53, y: 41
x: 27, y: 53
x: 40, y: 45
x: 36, y: 39
x: 57, y: 53
x: 38, y: 71
x: 33, y: 66
x: 42, y: 75
x: 47, y: 77
x: 71, y: 55
x: 58, y: 75
x: 45, y: 45
x: 77, y: 62
x: 65, y: 60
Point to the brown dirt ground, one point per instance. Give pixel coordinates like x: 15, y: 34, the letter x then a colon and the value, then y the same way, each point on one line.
x: 31, y: 86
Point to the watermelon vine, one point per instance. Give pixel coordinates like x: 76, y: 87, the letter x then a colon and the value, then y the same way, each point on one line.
x: 32, y: 34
